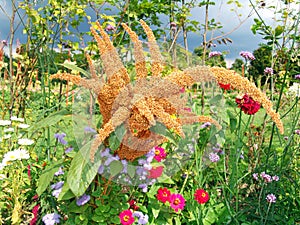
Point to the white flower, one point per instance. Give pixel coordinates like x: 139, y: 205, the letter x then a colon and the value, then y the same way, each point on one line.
x: 22, y: 153
x: 25, y: 141
x: 295, y: 90
x: 2, y: 176
x: 1, y: 166
x: 23, y: 125
x: 6, y: 136
x: 17, y: 154
x: 14, y: 118
x: 9, y: 130
x: 5, y: 122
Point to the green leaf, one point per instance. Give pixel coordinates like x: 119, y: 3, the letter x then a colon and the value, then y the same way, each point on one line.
x: 82, y: 170
x: 65, y: 193
x: 131, y: 170
x: 73, y: 207
x: 279, y: 30
x: 115, y: 167
x: 215, y: 99
x: 47, y: 176
x: 116, y: 137
x: 76, y: 68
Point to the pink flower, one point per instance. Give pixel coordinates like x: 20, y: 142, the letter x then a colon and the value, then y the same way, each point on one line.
x: 177, y: 201
x: 268, y: 71
x: 163, y: 195
x: 35, y: 211
x: 255, y: 176
x: 160, y: 154
x: 247, y: 55
x: 271, y: 198
x: 214, y: 53
x: 155, y: 172
x: 213, y: 157
x: 201, y: 196
x: 126, y: 217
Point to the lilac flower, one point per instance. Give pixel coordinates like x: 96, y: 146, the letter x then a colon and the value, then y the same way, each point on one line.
x: 142, y: 219
x: 271, y: 198
x: 297, y: 76
x: 109, y: 28
x: 101, y: 169
x: 214, y: 53
x: 59, y: 172
x: 213, y: 157
x: 144, y: 187
x: 268, y: 71
x: 255, y: 176
x: 56, y: 193
x: 247, y: 55
x: 205, y: 125
x: 57, y: 185
x: 69, y: 149
x: 60, y: 138
x: 51, y: 219
x: 275, y: 178
x: 83, y: 199
x: 89, y: 130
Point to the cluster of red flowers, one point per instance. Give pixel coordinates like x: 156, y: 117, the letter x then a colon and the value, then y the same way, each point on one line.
x: 176, y: 201
x: 247, y: 104
x: 225, y: 86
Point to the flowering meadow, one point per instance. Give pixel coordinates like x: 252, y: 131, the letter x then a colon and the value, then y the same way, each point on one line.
x: 130, y: 128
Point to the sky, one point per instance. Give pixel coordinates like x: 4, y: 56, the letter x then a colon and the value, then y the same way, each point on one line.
x: 240, y: 33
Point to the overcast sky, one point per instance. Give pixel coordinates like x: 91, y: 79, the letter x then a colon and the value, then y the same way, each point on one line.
x: 242, y: 37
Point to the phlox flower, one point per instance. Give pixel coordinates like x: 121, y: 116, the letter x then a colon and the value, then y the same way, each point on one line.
x: 25, y: 141
x: 177, y: 202
x: 201, y: 196
x: 247, y: 104
x: 255, y: 176
x: 275, y: 178
x: 268, y: 71
x: 271, y: 198
x: 163, y: 195
x: 83, y: 199
x: 213, y: 157
x: 247, y: 55
x: 160, y: 154
x: 126, y: 217
x: 51, y: 219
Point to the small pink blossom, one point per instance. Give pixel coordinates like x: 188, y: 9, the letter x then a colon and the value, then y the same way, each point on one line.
x: 271, y: 198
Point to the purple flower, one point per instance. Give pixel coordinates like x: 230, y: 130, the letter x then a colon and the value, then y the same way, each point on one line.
x: 110, y: 159
x: 268, y: 71
x: 271, y: 198
x: 105, y: 153
x: 69, y: 149
x: 109, y: 28
x: 60, y: 138
x: 267, y: 178
x: 56, y: 193
x: 142, y: 219
x: 297, y: 76
x: 89, y: 130
x: 205, y: 125
x: 297, y: 132
x: 144, y: 187
x: 57, y: 185
x: 247, y: 55
x: 59, y: 172
x: 213, y: 157
x: 214, y: 53
x: 101, y: 169
x: 51, y: 219
x: 124, y: 163
x: 275, y: 178
x: 255, y: 176
x: 83, y: 199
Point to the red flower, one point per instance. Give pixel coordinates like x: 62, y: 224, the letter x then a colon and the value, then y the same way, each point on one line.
x: 247, y: 104
x: 126, y: 217
x: 201, y: 196
x: 155, y: 172
x: 133, y: 205
x: 35, y: 211
x: 160, y: 154
x: 163, y: 195
x: 177, y: 202
x: 225, y: 86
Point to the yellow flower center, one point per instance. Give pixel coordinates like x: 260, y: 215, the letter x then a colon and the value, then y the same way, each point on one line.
x: 157, y: 152
x: 126, y: 218
x: 176, y: 201
x: 203, y: 195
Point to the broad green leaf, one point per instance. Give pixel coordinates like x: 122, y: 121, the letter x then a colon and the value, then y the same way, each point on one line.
x: 131, y: 170
x: 47, y: 176
x: 65, y: 193
x: 82, y: 171
x: 73, y: 207
x: 115, y: 167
